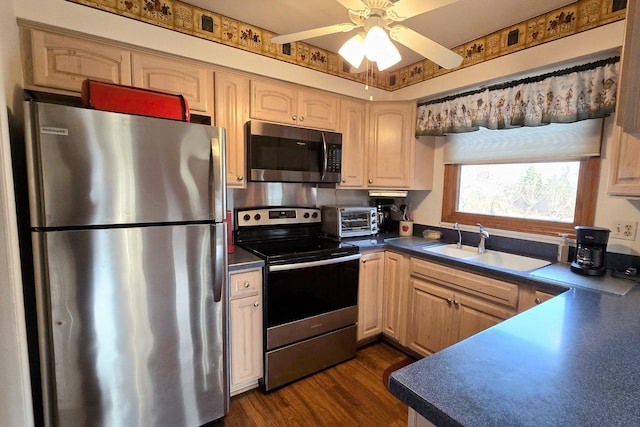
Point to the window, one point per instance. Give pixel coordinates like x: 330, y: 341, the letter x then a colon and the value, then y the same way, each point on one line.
x: 534, y: 197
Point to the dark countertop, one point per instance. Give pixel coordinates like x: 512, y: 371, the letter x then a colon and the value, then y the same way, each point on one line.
x: 241, y: 259
x: 573, y: 360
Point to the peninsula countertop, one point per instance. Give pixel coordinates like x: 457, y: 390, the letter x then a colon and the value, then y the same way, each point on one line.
x: 573, y: 360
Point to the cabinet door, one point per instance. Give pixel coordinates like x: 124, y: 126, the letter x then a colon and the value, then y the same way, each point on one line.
x: 274, y: 102
x: 628, y: 108
x: 429, y: 327
x: 62, y: 62
x: 353, y: 122
x: 370, y: 289
x: 193, y: 81
x: 624, y: 177
x: 473, y: 315
x: 232, y: 111
x: 245, y: 321
x: 317, y: 109
x: 395, y: 284
x: 391, y: 137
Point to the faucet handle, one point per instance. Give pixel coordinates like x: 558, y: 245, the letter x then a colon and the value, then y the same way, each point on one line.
x: 483, y: 232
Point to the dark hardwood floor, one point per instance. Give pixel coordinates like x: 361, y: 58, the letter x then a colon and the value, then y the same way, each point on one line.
x: 349, y: 394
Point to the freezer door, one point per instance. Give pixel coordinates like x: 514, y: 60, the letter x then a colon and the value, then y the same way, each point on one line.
x: 89, y: 167
x: 136, y: 335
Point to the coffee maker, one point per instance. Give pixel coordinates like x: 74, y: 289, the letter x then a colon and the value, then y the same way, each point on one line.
x: 591, y: 250
x: 386, y: 218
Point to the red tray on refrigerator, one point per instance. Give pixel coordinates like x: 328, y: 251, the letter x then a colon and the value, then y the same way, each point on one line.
x: 132, y: 100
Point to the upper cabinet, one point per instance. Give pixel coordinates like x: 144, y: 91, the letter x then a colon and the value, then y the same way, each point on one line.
x: 628, y: 109
x: 353, y: 126
x: 63, y: 62
x: 289, y: 104
x: 624, y: 175
x: 232, y: 111
x: 396, y: 159
x: 191, y: 80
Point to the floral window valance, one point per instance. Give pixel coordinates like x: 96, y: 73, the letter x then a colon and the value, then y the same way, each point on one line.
x: 583, y: 92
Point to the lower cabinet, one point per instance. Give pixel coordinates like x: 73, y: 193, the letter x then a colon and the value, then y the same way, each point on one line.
x: 443, y: 312
x: 370, y: 293
x: 245, y: 329
x: 394, y: 314
x: 531, y: 296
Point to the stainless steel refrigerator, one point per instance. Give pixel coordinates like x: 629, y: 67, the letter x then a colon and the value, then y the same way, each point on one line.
x: 130, y: 267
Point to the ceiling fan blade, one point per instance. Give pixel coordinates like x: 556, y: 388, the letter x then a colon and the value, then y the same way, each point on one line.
x: 316, y: 32
x: 426, y: 47
x: 356, y: 5
x: 404, y: 9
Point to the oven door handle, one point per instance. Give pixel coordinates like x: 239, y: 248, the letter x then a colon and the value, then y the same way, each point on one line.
x: 308, y: 264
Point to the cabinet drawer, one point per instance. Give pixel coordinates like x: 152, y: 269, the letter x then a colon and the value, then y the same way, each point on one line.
x: 245, y: 283
x: 485, y: 287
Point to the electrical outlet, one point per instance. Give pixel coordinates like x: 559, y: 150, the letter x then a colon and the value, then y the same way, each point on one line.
x: 625, y: 230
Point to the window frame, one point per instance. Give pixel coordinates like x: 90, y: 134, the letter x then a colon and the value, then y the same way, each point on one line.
x: 588, y: 181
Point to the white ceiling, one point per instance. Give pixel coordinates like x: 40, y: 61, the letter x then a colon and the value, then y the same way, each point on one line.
x: 450, y: 25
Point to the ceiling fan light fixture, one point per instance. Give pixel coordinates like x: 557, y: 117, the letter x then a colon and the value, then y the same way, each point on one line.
x: 388, y: 57
x: 353, y: 50
x: 375, y: 38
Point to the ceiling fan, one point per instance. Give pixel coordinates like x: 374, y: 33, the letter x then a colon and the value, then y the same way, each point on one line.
x: 376, y: 16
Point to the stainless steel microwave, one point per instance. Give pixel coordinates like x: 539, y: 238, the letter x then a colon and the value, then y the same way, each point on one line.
x: 279, y: 153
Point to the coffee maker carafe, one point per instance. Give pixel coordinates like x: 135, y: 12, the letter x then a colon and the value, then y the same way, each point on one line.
x: 591, y: 249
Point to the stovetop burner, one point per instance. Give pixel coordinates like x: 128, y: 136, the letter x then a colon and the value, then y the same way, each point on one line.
x: 287, y: 235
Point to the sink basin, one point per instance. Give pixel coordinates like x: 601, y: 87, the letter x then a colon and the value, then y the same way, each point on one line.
x: 453, y: 250
x: 490, y: 258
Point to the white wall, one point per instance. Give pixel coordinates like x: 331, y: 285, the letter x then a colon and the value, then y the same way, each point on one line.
x: 15, y: 391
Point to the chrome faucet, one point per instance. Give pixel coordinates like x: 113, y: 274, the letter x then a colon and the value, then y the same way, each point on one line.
x: 484, y: 234
x: 456, y: 226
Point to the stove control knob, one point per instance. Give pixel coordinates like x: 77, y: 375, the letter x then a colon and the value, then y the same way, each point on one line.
x: 315, y: 215
x: 257, y: 217
x: 246, y: 217
x: 306, y: 215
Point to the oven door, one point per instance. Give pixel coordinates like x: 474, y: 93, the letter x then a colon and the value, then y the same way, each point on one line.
x: 303, y: 300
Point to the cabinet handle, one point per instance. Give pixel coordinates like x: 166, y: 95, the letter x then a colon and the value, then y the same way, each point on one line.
x: 294, y: 118
x: 537, y: 301
x: 456, y: 302
x: 370, y: 181
x: 256, y: 304
x: 302, y: 118
x: 247, y: 284
x: 344, y: 180
x: 448, y: 301
x: 240, y: 178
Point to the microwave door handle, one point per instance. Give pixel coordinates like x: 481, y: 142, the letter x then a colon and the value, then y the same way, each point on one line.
x: 325, y: 156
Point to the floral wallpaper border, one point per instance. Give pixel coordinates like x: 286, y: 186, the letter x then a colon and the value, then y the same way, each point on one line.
x: 182, y: 17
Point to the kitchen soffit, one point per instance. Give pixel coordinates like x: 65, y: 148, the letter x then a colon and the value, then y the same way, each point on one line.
x: 190, y: 18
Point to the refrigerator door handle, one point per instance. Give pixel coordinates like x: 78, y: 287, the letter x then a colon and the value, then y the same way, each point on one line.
x: 218, y: 176
x: 219, y: 256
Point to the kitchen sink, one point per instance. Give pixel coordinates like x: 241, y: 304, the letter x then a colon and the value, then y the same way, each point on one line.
x: 490, y: 258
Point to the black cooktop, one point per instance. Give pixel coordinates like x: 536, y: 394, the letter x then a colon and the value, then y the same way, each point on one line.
x: 298, y: 250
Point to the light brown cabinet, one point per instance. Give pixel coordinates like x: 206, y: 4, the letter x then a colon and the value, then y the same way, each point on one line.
x: 62, y: 63
x: 624, y: 176
x: 396, y: 159
x: 290, y: 104
x: 628, y: 108
x: 394, y: 315
x: 370, y: 293
x: 447, y: 305
x: 531, y: 296
x: 245, y: 329
x: 353, y: 126
x: 191, y: 80
x: 232, y: 112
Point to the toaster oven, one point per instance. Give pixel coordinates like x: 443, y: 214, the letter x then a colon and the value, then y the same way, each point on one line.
x: 349, y: 221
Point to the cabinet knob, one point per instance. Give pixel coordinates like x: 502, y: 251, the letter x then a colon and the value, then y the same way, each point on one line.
x: 240, y: 178
x: 448, y: 301
x: 302, y: 118
x: 456, y: 302
x: 370, y: 181
x: 537, y: 301
x: 344, y: 180
x: 256, y: 304
x: 247, y: 284
x: 294, y: 118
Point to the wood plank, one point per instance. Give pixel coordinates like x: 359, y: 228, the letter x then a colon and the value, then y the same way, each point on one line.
x: 349, y: 394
